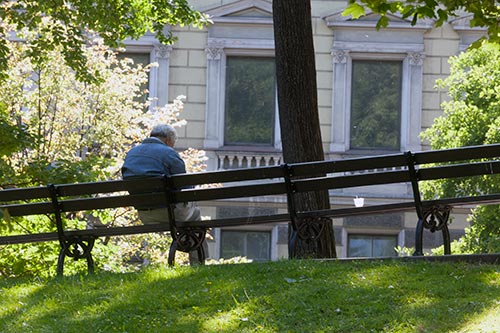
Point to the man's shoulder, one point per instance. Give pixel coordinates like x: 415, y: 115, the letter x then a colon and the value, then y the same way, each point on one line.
x: 153, y: 140
x: 154, y: 149
x: 151, y: 144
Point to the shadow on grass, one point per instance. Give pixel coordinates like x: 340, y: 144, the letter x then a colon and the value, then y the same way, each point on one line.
x: 288, y: 296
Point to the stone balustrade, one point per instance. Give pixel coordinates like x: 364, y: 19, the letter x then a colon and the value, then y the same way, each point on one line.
x: 236, y: 160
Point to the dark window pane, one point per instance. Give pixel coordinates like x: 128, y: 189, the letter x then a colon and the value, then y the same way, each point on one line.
x: 371, y: 246
x: 250, y: 101
x: 384, y: 246
x: 232, y: 244
x: 255, y: 245
x: 376, y: 104
x: 359, y: 246
x: 258, y: 245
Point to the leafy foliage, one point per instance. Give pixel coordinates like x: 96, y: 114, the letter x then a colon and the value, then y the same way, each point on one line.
x: 14, y: 137
x: 484, y: 13
x: 72, y: 130
x: 61, y: 116
x: 73, y: 23
x: 61, y: 130
x: 471, y: 117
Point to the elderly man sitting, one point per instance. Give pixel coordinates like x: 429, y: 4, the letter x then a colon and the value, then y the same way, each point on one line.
x: 156, y: 156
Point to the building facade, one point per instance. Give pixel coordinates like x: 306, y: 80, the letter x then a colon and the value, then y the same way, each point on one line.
x: 375, y: 95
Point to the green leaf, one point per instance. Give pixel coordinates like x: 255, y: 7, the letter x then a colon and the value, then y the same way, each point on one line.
x: 355, y: 10
x: 382, y: 22
x: 4, y: 214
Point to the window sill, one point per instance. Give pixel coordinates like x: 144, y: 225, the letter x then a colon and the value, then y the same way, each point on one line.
x: 253, y: 149
x: 370, y: 152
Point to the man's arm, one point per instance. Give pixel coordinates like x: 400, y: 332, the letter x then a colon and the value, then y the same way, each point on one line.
x: 176, y: 164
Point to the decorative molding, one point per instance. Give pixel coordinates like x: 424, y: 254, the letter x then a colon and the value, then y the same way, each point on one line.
x: 241, y: 8
x: 416, y: 58
x: 468, y: 34
x: 463, y: 24
x: 339, y: 56
x: 214, y: 52
x: 369, y: 20
x: 163, y: 51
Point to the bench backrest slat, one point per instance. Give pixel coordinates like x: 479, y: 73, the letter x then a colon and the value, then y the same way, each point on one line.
x: 34, y: 208
x: 82, y: 204
x: 214, y: 177
x: 458, y: 154
x: 459, y: 170
x: 237, y: 221
x: 325, y: 183
x: 88, y: 188
x: 146, y: 184
x: 230, y: 192
x: 350, y: 165
x: 28, y: 193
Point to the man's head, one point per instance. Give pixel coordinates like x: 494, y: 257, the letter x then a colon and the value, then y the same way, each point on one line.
x: 166, y: 133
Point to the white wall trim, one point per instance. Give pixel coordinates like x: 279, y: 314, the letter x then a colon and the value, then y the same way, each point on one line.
x: 158, y: 75
x: 358, y: 39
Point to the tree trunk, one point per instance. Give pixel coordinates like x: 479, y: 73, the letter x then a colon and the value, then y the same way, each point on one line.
x: 299, y: 119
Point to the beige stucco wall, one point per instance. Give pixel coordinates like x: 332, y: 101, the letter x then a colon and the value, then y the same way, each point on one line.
x: 188, y: 70
x: 188, y: 77
x: 440, y: 44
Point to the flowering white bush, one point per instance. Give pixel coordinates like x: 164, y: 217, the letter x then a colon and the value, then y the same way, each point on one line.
x: 75, y: 131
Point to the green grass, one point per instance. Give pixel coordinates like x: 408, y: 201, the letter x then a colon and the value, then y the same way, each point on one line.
x: 287, y: 296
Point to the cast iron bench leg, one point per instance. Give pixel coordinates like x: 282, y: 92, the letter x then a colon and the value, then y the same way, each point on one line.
x: 188, y: 240
x: 76, y: 249
x: 435, y: 218
x: 419, y: 233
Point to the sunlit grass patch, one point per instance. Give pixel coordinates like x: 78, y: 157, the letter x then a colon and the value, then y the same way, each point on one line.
x: 287, y: 296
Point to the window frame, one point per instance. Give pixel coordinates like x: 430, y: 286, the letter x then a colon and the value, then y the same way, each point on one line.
x: 158, y: 75
x: 411, y: 95
x: 359, y: 39
x: 240, y: 28
x: 371, y: 237
x: 223, y: 98
x: 217, y: 55
x: 246, y: 233
x: 403, y: 97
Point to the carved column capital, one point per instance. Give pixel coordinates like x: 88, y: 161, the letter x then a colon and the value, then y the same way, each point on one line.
x: 339, y: 56
x: 163, y: 51
x: 214, y: 52
x: 416, y: 58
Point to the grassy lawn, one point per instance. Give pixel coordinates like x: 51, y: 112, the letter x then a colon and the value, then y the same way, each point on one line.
x: 287, y: 296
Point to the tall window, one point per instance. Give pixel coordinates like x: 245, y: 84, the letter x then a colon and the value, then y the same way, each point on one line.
x: 255, y: 245
x: 376, y: 104
x: 250, y: 102
x: 377, y: 84
x: 371, y: 246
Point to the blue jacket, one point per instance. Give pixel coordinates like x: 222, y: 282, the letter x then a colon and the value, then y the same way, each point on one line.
x: 152, y: 158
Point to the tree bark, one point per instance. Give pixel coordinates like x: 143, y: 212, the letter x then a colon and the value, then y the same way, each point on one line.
x: 299, y: 118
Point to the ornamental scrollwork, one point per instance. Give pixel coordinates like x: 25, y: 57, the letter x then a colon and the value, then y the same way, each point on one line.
x: 416, y: 58
x: 339, y: 56
x: 163, y: 51
x: 436, y: 217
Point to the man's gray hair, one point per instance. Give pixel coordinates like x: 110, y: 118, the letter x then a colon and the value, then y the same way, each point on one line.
x: 164, y: 131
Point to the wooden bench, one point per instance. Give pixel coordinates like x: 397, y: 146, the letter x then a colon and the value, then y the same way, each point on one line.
x: 59, y: 200
x: 286, y: 180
